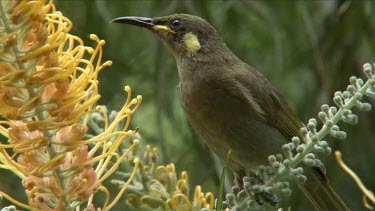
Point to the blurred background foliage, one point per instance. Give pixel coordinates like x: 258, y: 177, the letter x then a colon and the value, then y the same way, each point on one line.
x: 307, y: 49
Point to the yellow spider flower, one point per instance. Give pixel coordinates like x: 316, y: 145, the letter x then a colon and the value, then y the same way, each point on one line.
x: 47, y: 94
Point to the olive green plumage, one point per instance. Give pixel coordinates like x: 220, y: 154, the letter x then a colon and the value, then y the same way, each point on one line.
x: 229, y: 103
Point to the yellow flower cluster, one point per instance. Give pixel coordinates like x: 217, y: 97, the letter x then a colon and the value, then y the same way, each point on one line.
x: 47, y: 93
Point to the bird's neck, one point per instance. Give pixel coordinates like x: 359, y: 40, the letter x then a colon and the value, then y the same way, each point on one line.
x: 193, y: 66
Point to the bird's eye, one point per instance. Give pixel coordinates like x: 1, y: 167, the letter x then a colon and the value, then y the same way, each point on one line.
x: 176, y: 23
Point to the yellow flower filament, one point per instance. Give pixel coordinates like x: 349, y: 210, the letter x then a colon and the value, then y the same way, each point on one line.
x: 136, y: 162
x: 18, y: 203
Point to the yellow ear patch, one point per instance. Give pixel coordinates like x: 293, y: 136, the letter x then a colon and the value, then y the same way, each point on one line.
x: 191, y: 42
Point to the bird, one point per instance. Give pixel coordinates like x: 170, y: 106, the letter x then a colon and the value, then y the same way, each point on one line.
x: 230, y: 104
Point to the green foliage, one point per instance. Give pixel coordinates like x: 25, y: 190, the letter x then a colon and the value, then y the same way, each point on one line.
x: 219, y: 201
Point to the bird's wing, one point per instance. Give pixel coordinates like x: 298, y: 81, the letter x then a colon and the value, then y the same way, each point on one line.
x: 277, y: 112
x: 284, y: 119
x: 275, y: 109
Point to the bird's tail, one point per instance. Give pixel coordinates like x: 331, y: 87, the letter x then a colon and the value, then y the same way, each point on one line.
x: 320, y: 193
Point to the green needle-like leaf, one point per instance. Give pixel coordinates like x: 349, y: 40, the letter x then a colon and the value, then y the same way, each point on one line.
x: 219, y: 201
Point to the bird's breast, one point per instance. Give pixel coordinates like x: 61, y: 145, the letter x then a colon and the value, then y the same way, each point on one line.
x: 224, y: 118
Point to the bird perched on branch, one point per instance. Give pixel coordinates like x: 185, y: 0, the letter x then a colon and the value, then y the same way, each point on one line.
x: 229, y: 103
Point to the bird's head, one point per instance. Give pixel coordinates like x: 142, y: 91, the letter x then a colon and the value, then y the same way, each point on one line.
x: 184, y: 35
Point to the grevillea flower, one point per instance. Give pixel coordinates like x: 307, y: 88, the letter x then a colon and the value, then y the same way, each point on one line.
x: 47, y: 95
x: 158, y: 186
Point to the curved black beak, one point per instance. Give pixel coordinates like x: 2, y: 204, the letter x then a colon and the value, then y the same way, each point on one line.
x: 136, y: 21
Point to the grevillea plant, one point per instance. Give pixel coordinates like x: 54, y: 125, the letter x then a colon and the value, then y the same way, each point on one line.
x: 48, y: 89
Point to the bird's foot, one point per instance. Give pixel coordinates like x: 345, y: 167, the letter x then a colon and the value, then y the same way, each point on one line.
x: 251, y: 184
x: 264, y: 197
x: 260, y: 196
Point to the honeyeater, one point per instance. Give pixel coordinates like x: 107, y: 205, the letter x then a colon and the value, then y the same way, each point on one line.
x: 231, y: 105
